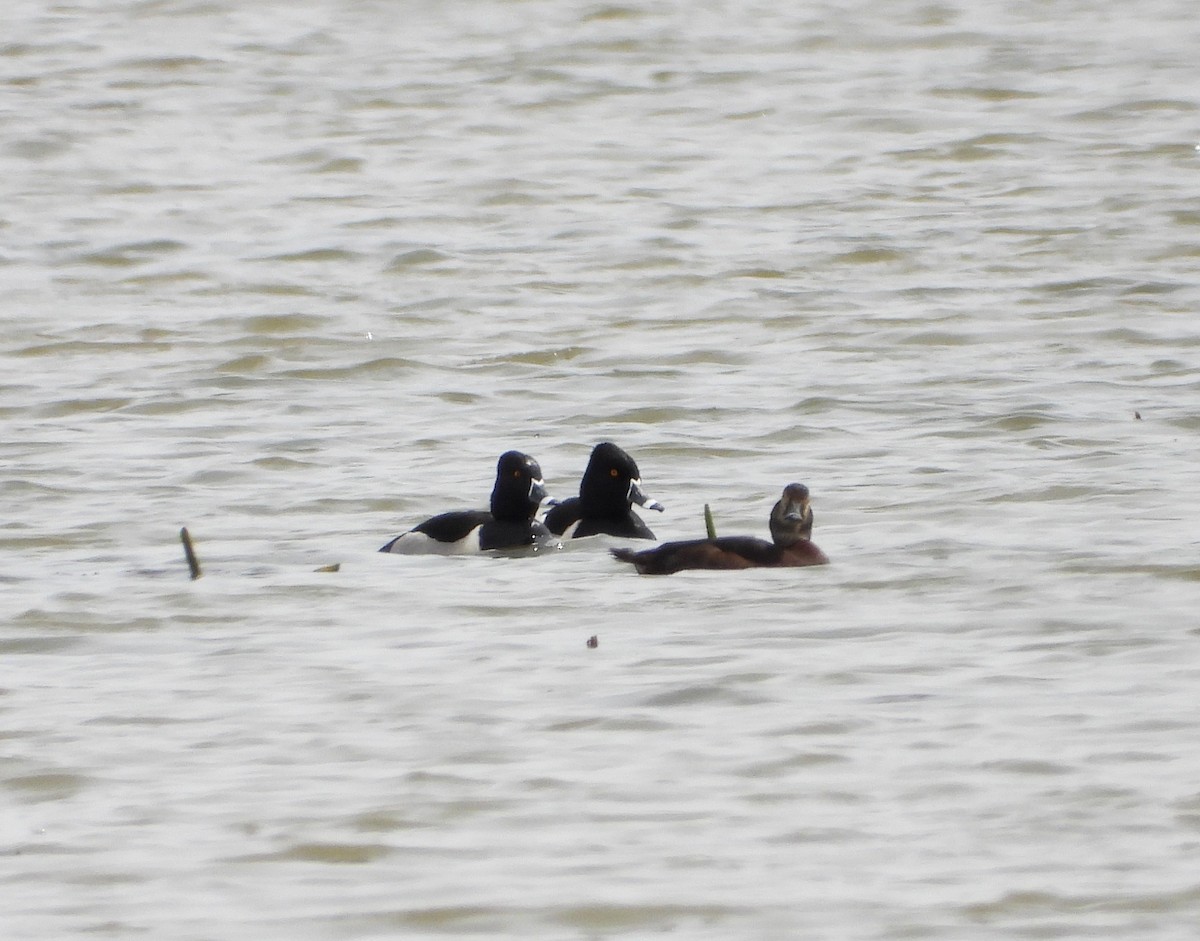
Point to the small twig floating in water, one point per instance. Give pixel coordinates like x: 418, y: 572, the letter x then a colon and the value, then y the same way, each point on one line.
x: 192, y: 561
x: 709, y: 527
x: 336, y: 567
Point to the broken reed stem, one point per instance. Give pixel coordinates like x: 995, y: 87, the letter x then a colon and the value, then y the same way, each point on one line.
x: 190, y: 552
x: 708, y: 523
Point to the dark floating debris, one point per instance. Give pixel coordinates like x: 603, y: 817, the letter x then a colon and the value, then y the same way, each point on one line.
x: 593, y: 642
x: 1137, y: 415
x: 190, y: 553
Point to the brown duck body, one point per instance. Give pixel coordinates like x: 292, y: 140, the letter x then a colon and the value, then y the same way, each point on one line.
x: 724, y: 552
x: 791, y: 526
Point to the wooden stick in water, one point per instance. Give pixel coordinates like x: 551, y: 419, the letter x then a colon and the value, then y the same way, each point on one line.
x: 190, y: 552
x: 708, y: 523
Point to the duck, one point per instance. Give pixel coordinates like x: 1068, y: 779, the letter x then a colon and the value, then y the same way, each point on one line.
x: 791, y: 544
x: 610, y: 486
x: 509, y: 524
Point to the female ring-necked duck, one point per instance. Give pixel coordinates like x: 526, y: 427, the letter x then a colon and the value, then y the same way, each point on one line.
x: 610, y: 486
x: 516, y: 497
x: 791, y: 527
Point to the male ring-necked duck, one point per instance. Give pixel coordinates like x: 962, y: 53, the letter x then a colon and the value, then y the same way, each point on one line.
x: 510, y: 524
x: 610, y: 486
x: 791, y: 527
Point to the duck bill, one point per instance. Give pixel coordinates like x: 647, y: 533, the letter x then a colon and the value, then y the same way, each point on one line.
x: 796, y: 511
x: 538, y: 494
x: 637, y: 496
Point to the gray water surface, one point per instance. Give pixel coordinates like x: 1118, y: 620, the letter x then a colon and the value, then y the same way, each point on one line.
x: 294, y: 275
